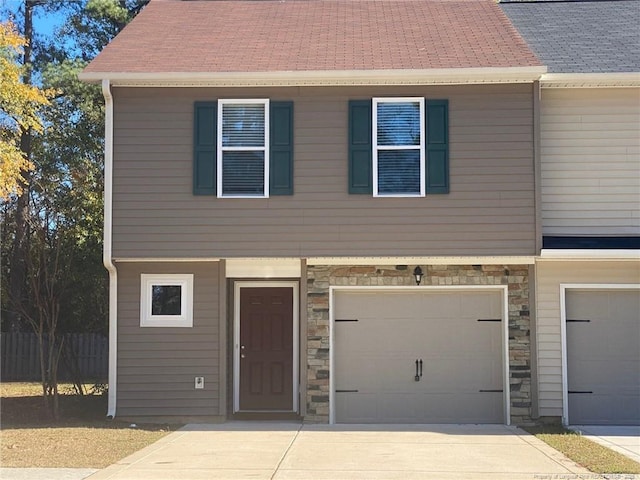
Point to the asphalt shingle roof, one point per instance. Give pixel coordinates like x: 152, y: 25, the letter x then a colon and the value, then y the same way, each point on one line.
x: 319, y: 35
x: 580, y: 36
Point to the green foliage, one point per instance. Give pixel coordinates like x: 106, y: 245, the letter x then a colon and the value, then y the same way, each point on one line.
x: 64, y: 217
x: 98, y: 21
x: 19, y: 107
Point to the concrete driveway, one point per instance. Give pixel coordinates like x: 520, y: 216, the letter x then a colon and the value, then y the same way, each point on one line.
x: 288, y: 451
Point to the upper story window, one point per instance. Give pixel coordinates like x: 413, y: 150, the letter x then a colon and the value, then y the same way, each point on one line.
x: 398, y: 147
x: 243, y: 148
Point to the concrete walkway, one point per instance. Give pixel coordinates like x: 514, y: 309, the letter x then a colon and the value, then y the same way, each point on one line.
x: 625, y: 440
x: 287, y: 451
x: 45, y: 473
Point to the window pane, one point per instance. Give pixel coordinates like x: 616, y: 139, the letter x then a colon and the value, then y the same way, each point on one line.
x: 166, y: 300
x: 399, y: 171
x: 399, y: 123
x: 243, y: 173
x: 243, y: 125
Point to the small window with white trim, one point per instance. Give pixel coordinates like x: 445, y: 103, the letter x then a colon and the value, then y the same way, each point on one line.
x: 398, y: 147
x: 243, y: 148
x: 166, y: 300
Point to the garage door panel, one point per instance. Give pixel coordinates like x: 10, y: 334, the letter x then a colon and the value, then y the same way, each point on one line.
x: 368, y: 374
x: 594, y: 409
x: 611, y: 343
x: 437, y: 407
x: 470, y: 375
x: 473, y: 303
x: 376, y: 357
x: 603, y: 356
x: 481, y: 336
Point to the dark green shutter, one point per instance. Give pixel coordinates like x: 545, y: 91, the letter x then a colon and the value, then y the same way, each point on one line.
x: 204, y: 148
x: 360, y: 154
x: 281, y: 148
x: 437, y: 139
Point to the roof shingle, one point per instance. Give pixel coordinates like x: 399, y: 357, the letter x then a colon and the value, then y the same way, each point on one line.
x: 314, y: 35
x: 581, y: 36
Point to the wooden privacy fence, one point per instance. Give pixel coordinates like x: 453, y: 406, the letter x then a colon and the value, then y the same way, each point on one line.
x: 85, y: 357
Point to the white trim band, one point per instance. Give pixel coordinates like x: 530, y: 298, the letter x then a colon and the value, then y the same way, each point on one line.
x: 446, y: 76
x: 590, y: 80
x: 588, y: 254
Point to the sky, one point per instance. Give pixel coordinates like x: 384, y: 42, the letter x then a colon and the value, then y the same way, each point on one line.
x: 43, y: 23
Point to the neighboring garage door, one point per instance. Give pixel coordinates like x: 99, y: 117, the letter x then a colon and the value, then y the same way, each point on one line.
x: 379, y: 336
x: 603, y: 356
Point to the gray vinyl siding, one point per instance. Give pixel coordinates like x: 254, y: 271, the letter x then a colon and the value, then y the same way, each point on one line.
x: 489, y: 211
x: 157, y: 366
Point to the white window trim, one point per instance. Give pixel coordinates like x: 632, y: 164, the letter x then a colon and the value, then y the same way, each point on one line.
x: 185, y: 319
x: 376, y: 148
x: 266, y: 148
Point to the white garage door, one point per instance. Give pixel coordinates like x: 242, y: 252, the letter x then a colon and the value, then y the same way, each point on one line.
x: 603, y: 356
x: 451, y: 341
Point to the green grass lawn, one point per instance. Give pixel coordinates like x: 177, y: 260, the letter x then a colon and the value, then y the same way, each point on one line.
x: 596, y: 458
x: 82, y: 438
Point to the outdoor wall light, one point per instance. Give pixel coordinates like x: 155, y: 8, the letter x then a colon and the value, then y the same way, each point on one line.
x: 417, y: 272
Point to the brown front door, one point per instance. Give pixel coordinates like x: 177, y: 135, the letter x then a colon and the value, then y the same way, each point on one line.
x: 266, y: 348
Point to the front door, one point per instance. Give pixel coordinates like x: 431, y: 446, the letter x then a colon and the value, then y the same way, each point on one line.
x: 266, y: 357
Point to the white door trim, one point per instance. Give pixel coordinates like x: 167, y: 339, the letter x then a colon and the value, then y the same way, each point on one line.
x: 236, y: 337
x: 563, y: 330
x: 504, y: 289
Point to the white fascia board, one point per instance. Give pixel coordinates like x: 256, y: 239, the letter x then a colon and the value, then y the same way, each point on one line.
x: 590, y: 80
x: 589, y: 254
x: 487, y: 260
x: 164, y: 259
x: 447, y: 76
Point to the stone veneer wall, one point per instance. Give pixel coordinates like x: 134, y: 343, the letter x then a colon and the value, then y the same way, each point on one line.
x: 321, y: 277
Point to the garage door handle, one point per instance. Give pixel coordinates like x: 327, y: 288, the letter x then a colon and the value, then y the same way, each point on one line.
x: 418, y: 370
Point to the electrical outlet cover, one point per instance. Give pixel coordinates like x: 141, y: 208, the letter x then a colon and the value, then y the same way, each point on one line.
x: 199, y: 382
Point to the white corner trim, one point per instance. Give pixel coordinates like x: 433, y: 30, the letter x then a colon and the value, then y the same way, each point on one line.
x: 504, y: 289
x: 563, y: 356
x: 236, y: 338
x: 563, y: 331
x: 263, y: 268
x: 435, y: 76
x: 590, y: 80
x: 586, y: 254
x: 108, y: 248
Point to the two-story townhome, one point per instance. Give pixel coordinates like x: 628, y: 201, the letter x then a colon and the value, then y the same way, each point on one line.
x: 322, y: 210
x: 588, y: 274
